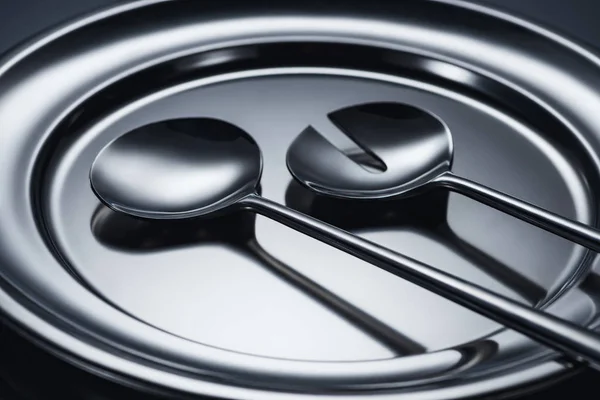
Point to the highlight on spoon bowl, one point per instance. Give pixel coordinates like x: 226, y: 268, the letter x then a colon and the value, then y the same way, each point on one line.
x: 178, y: 168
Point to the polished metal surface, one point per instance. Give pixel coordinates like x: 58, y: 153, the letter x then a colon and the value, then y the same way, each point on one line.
x: 125, y: 233
x: 566, y: 337
x: 204, y: 319
x: 180, y: 168
x: 194, y: 167
x: 412, y: 148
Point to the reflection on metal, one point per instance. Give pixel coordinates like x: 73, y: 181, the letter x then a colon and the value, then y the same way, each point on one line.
x: 198, y: 167
x: 177, y: 169
x: 526, y: 107
x: 416, y: 150
x: 426, y: 213
x: 126, y: 233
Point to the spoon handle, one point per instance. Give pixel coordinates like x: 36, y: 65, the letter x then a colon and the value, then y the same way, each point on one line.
x: 572, y: 230
x: 578, y: 343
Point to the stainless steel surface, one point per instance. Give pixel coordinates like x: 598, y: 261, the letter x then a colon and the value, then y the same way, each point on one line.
x: 125, y: 233
x: 572, y: 230
x: 180, y: 168
x: 207, y: 320
x: 194, y: 167
x: 409, y: 149
x: 578, y: 343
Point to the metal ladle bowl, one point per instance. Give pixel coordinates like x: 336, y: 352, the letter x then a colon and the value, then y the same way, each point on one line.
x: 415, y: 152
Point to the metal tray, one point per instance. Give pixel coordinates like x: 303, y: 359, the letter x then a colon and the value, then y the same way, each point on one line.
x: 241, y: 307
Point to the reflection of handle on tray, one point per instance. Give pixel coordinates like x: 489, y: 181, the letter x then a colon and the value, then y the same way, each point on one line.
x: 385, y: 334
x: 126, y: 233
x: 576, y: 342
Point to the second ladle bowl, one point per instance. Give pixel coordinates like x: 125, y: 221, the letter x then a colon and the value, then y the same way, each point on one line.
x: 416, y: 150
x: 201, y: 166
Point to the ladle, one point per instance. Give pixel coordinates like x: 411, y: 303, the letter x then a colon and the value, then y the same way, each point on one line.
x: 426, y: 215
x: 201, y: 166
x: 414, y: 151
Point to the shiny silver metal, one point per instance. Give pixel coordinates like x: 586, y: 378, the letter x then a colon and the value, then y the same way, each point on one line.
x: 563, y: 336
x: 194, y: 167
x: 203, y: 318
x: 182, y: 168
x: 414, y: 149
x: 120, y: 231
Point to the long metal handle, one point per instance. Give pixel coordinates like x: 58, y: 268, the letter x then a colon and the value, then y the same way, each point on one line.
x: 572, y: 230
x: 563, y: 336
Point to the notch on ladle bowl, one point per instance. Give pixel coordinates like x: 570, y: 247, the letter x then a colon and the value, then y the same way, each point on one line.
x: 416, y: 149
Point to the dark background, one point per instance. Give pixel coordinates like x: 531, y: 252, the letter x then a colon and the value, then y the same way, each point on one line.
x: 20, y: 19
x: 27, y: 373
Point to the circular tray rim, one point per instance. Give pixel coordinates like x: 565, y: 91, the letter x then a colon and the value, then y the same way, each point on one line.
x: 24, y: 316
